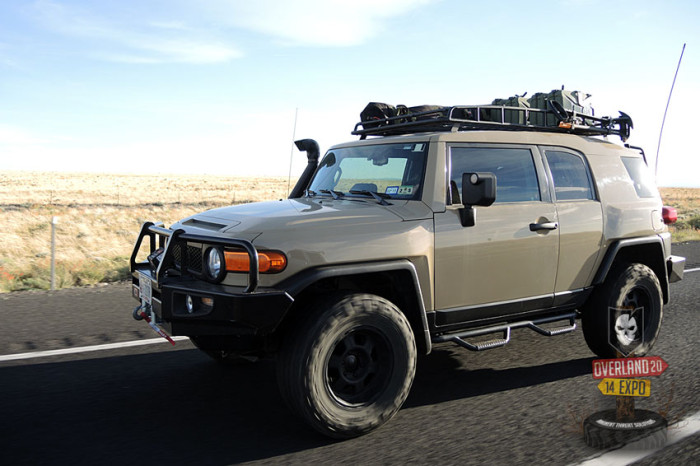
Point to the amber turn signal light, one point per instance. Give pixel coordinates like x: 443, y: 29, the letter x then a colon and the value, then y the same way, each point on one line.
x: 268, y: 261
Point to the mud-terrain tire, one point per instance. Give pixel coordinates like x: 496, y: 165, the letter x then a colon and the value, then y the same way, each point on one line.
x: 627, y: 286
x: 208, y: 345
x: 348, y: 367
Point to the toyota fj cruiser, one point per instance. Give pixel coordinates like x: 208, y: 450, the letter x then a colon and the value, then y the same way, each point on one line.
x: 438, y: 225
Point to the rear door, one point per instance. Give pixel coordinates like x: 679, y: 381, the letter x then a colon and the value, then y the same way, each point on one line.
x: 580, y: 220
x: 506, y: 263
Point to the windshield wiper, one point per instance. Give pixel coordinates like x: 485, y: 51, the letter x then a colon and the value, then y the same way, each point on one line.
x: 336, y: 194
x: 310, y: 193
x: 381, y: 198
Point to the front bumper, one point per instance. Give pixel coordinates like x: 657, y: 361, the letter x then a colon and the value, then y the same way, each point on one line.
x: 233, y: 312
x: 214, y: 309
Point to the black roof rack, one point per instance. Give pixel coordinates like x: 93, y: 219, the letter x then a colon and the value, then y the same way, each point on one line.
x: 495, y: 117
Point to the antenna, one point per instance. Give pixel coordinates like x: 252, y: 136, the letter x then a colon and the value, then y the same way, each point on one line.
x: 658, y: 147
x: 291, y: 154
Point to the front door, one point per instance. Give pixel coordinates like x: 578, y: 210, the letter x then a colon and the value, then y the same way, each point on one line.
x: 506, y: 263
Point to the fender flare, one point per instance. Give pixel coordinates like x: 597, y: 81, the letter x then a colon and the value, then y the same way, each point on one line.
x: 299, y: 282
x: 614, y: 250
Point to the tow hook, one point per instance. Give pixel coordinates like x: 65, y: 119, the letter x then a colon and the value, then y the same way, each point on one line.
x: 139, y: 314
x: 136, y: 314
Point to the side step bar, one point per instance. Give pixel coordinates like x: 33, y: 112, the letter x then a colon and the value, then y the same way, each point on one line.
x: 506, y: 328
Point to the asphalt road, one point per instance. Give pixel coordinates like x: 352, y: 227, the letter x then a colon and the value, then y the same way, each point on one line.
x: 157, y: 404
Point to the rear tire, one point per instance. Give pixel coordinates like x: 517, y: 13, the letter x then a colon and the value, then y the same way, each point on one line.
x: 633, y: 286
x: 349, y: 366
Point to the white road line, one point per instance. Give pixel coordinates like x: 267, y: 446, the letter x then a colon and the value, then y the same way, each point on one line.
x: 86, y: 349
x: 696, y: 269
x: 631, y: 453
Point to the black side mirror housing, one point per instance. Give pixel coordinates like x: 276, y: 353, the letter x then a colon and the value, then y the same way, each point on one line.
x: 477, y: 189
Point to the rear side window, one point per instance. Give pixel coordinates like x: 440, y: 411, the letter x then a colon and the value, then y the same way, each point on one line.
x: 641, y: 176
x: 516, y: 178
x: 570, y: 176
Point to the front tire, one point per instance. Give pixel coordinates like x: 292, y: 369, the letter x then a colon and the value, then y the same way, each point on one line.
x: 605, y: 327
x: 348, y: 368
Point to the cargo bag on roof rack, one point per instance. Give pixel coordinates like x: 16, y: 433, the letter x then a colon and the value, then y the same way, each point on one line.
x: 510, y: 116
x: 375, y: 114
x: 424, y: 112
x: 570, y: 100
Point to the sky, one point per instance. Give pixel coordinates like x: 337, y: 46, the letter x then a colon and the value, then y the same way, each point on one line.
x: 224, y: 86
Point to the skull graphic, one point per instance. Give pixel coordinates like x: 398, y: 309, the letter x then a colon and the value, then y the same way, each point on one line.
x: 626, y: 329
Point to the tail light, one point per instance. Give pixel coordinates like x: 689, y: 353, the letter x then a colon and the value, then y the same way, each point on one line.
x: 669, y: 214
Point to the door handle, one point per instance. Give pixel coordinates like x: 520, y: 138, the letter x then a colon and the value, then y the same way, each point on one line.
x: 544, y: 226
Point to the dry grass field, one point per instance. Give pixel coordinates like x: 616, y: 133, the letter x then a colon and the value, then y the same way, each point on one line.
x: 687, y: 202
x: 98, y: 218
x: 100, y: 215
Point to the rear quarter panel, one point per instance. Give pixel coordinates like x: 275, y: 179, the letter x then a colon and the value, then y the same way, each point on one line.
x: 625, y: 214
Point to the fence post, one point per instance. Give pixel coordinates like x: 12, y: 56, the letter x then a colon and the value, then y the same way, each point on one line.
x: 54, y: 221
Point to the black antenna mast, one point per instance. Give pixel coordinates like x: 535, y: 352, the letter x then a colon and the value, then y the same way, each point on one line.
x: 658, y: 147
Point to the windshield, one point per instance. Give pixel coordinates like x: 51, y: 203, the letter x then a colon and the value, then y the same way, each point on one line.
x: 391, y: 170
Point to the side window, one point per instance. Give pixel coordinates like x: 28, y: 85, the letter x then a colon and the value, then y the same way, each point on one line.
x: 516, y: 178
x: 641, y: 176
x: 570, y: 176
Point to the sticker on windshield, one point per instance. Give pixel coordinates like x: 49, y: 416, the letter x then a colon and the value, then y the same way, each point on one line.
x: 392, y: 190
x: 405, y: 190
x: 414, y: 147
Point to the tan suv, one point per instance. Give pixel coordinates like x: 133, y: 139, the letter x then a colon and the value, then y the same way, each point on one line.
x: 434, y: 228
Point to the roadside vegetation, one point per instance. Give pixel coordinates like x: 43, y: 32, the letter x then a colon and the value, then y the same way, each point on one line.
x: 687, y: 203
x: 98, y: 218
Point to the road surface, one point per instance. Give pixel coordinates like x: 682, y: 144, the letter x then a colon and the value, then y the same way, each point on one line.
x: 158, y: 404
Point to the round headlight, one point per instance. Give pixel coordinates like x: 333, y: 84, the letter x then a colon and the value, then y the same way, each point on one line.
x: 215, y: 264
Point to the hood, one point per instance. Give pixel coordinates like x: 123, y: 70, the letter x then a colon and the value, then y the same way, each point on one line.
x: 249, y: 220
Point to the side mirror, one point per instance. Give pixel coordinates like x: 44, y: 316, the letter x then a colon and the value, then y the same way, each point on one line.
x: 477, y: 189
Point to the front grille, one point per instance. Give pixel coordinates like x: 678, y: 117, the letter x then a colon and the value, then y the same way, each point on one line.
x: 191, y: 261
x: 177, y: 255
x: 194, y: 257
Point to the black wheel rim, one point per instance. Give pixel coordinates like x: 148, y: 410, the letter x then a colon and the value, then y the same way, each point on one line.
x: 359, y: 367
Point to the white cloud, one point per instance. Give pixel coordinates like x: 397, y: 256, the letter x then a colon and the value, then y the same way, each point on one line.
x: 199, y: 32
x: 158, y: 50
x: 137, y: 41
x: 314, y: 22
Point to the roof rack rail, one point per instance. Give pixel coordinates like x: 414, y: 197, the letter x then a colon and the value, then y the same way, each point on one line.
x: 494, y: 117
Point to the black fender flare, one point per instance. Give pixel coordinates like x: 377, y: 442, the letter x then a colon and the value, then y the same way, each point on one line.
x: 618, y: 247
x: 299, y: 282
